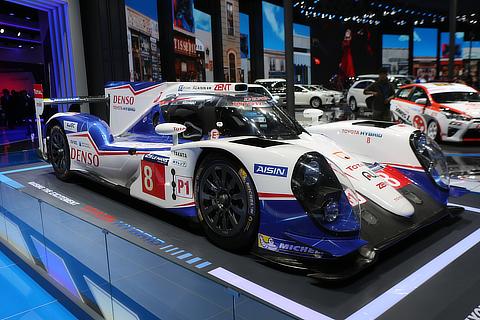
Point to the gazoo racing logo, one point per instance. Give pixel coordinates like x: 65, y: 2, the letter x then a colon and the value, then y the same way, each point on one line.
x: 128, y: 100
x: 270, y: 170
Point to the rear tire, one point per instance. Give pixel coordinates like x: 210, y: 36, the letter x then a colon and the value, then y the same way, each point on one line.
x: 226, y: 203
x: 59, y: 153
x: 353, y: 104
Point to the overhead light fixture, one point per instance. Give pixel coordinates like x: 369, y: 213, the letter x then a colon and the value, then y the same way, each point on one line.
x: 32, y: 47
x: 19, y: 45
x: 11, y: 14
x: 28, y: 18
x: 19, y: 34
x: 2, y: 30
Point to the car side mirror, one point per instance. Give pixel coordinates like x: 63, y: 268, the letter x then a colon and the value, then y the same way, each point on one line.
x: 172, y: 129
x: 422, y: 101
x: 313, y: 114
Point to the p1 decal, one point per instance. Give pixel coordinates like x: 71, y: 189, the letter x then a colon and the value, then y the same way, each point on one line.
x: 153, y: 179
x: 184, y: 187
x: 270, y: 170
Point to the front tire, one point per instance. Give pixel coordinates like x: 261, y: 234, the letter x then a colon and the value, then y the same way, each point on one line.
x: 59, y: 153
x: 226, y: 203
x: 433, y: 130
x: 316, y: 102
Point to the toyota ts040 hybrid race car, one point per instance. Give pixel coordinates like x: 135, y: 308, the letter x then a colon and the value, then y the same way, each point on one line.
x: 444, y: 111
x: 325, y: 200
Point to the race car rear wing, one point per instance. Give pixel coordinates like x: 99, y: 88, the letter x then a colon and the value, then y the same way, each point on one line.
x: 129, y: 101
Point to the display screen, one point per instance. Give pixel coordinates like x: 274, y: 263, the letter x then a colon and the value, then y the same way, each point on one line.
x: 425, y: 43
x: 445, y: 44
x: 395, y: 53
x: 142, y: 39
x: 245, y: 47
x: 273, y: 40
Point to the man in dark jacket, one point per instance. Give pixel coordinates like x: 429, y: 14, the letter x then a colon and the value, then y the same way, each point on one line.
x: 383, y: 91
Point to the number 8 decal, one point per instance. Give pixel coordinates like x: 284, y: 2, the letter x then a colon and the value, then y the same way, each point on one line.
x: 153, y: 179
x: 391, y: 181
x: 147, y: 178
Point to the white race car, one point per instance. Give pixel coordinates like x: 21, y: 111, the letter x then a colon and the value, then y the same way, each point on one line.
x: 326, y: 200
x: 444, y: 111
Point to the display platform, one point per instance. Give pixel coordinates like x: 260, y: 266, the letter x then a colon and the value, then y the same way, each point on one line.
x: 430, y: 276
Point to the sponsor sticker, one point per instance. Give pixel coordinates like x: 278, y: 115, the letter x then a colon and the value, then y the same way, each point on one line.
x: 285, y: 246
x: 270, y: 170
x: 70, y: 126
x: 86, y: 157
x: 179, y: 163
x: 184, y: 187
x: 155, y: 158
x: 214, y: 134
x: 54, y: 194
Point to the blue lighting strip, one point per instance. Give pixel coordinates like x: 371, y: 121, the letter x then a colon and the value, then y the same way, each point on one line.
x: 14, y: 184
x: 394, y: 295
x: 462, y: 154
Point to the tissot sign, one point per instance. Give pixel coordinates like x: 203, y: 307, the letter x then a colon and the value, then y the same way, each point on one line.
x: 185, y: 46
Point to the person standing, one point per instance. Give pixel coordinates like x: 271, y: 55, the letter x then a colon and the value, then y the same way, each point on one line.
x: 383, y: 91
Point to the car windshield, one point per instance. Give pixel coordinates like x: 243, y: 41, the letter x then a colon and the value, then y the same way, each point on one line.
x: 256, y: 118
x: 446, y: 97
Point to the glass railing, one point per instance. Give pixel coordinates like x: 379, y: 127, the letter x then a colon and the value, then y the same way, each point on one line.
x: 110, y: 276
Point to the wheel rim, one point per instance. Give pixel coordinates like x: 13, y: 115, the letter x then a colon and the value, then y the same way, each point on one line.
x: 58, y: 156
x: 315, y: 102
x: 432, y: 130
x: 223, y: 200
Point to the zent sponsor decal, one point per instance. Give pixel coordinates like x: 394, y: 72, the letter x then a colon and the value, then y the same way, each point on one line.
x: 270, y: 170
x: 86, y: 157
x: 153, y: 179
x: 222, y: 87
x: 184, y: 187
x: 70, y: 126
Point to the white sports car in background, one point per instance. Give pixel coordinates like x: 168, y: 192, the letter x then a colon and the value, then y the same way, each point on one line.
x: 337, y: 95
x: 314, y: 98
x: 327, y: 200
x: 444, y: 111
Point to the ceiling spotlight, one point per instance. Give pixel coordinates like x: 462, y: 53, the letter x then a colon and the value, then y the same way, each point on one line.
x: 28, y: 18
x: 11, y: 14
x: 32, y: 47
x: 19, y: 45
x: 2, y: 30
x: 19, y: 34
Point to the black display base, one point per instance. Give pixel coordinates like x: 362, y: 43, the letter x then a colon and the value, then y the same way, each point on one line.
x: 449, y: 291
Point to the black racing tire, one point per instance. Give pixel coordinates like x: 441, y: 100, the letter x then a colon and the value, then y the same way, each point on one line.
x: 352, y: 103
x: 432, y: 130
x: 316, y: 102
x: 227, y: 203
x: 59, y: 153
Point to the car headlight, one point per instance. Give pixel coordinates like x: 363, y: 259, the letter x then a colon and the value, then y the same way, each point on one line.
x: 322, y: 194
x: 455, y: 116
x: 431, y: 158
x: 311, y: 172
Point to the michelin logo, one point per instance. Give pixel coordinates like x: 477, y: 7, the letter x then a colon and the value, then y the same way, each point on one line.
x: 70, y: 126
x: 270, y: 170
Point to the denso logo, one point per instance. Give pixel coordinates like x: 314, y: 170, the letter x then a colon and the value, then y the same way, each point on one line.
x: 124, y: 100
x: 85, y: 157
x: 270, y: 170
